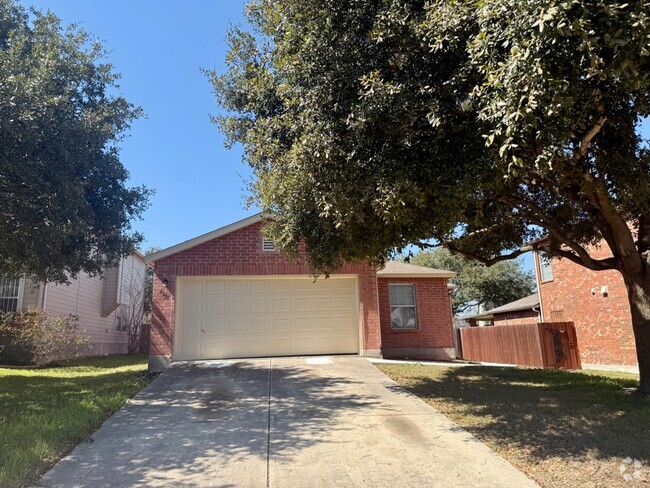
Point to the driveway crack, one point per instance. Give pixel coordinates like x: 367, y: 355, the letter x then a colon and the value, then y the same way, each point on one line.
x: 268, y: 429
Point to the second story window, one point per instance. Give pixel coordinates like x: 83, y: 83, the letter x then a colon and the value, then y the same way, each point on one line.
x: 545, y: 267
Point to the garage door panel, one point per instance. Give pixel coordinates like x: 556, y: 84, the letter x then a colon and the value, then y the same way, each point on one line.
x: 260, y: 305
x: 214, y: 288
x: 344, y: 303
x: 214, y: 307
x: 235, y: 327
x: 193, y: 288
x: 280, y: 325
x: 236, y: 287
x: 237, y: 305
x: 281, y: 305
x: 222, y: 318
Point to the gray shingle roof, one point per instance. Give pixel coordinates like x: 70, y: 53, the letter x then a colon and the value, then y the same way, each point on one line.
x: 525, y: 303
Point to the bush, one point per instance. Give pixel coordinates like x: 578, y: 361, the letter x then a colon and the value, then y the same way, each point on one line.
x: 48, y: 339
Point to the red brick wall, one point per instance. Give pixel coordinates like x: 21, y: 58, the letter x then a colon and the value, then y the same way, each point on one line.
x: 603, y: 323
x: 516, y: 318
x: 238, y: 254
x: 433, y: 308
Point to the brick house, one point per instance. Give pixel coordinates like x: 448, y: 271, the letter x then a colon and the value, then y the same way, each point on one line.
x: 596, y: 301
x: 229, y: 294
x: 522, y: 311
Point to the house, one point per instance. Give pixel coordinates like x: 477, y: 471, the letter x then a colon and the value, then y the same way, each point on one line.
x: 522, y: 311
x: 95, y: 300
x: 229, y: 293
x: 597, y: 303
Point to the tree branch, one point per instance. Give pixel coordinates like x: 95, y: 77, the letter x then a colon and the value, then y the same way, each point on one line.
x: 488, y: 261
x: 594, y: 264
x: 538, y: 216
x: 593, y: 132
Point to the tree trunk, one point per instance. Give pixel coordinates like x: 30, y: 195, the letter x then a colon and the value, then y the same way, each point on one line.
x: 638, y: 292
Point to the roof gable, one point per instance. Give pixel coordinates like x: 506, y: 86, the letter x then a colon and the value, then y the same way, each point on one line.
x: 221, y: 231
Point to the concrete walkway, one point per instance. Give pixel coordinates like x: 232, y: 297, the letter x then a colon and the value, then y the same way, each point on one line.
x: 282, y: 422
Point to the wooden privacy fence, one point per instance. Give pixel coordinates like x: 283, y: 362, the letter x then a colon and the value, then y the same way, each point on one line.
x: 543, y: 345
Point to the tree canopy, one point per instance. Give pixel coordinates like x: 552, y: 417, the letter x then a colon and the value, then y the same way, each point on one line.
x: 480, y: 126
x: 64, y: 203
x: 479, y: 285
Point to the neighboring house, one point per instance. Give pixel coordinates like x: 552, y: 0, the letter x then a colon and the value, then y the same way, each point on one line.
x: 96, y: 301
x: 596, y: 301
x: 229, y: 294
x: 522, y: 311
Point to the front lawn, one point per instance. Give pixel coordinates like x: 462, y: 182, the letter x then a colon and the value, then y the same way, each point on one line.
x: 564, y: 429
x: 45, y: 412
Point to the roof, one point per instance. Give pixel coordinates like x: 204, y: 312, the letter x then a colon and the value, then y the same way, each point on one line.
x: 393, y: 269
x: 398, y: 269
x: 221, y: 231
x: 526, y: 303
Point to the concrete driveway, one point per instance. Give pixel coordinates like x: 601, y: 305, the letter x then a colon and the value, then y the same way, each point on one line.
x: 282, y: 422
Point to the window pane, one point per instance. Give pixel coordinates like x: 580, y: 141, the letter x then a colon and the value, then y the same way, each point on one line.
x: 545, y: 267
x: 9, y: 294
x: 403, y: 318
x: 402, y: 294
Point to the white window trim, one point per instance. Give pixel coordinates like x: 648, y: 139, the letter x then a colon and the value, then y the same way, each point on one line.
x: 117, y: 321
x: 20, y: 294
x: 541, y: 256
x: 414, y: 307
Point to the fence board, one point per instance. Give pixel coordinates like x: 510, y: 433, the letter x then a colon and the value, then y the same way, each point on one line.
x: 507, y: 344
x: 542, y: 345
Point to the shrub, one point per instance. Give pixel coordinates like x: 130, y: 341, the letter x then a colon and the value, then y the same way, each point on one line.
x: 48, y: 339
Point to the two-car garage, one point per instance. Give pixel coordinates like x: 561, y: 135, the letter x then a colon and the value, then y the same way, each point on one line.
x: 257, y: 316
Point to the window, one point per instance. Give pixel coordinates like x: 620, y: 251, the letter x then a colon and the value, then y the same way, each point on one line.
x: 268, y: 245
x: 120, y: 324
x: 402, y: 307
x: 9, y: 294
x: 545, y: 267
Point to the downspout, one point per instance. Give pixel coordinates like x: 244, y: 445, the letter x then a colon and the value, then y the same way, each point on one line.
x: 539, y: 285
x: 44, y: 295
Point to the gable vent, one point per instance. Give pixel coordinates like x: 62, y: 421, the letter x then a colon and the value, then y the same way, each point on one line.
x: 268, y: 245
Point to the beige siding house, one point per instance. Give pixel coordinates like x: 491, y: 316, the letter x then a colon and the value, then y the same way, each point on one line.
x: 97, y: 301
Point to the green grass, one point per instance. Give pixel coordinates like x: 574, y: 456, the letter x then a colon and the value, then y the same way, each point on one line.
x: 46, y: 412
x: 564, y: 429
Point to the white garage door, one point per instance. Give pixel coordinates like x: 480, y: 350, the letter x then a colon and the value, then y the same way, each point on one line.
x: 249, y: 317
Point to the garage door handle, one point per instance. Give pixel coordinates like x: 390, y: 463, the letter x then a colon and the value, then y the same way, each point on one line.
x: 202, y: 330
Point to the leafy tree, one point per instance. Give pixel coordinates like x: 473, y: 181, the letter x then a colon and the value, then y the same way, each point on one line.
x: 490, y: 286
x: 481, y: 126
x: 64, y: 203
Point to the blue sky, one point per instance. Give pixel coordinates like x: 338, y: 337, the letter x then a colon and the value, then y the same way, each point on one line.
x: 159, y: 47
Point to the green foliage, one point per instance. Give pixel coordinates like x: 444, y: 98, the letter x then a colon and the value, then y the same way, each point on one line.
x: 490, y: 286
x: 47, y: 411
x: 48, y: 339
x: 482, y: 125
x: 64, y: 206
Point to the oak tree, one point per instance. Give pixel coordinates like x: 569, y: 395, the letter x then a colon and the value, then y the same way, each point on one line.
x: 65, y: 206
x: 480, y: 126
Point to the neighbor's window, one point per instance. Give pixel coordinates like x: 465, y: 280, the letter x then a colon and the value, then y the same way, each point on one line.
x: 268, y: 245
x: 545, y: 267
x: 402, y: 307
x: 9, y: 294
x: 120, y: 325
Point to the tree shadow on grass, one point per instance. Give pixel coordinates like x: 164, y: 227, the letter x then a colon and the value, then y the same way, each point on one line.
x: 548, y: 413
